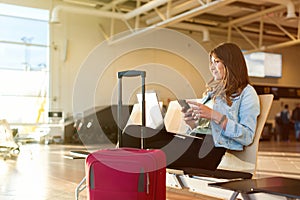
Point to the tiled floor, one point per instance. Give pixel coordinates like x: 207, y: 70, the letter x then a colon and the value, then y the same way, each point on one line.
x: 40, y: 172
x: 279, y: 159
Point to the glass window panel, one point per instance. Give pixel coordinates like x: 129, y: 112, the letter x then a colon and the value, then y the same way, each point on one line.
x: 12, y: 56
x: 23, y: 30
x: 24, y: 12
x: 37, y: 58
x: 24, y: 61
x: 22, y: 109
x: 23, y: 83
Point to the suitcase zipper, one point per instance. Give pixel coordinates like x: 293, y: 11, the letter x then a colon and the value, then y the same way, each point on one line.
x: 148, y: 182
x: 142, y: 181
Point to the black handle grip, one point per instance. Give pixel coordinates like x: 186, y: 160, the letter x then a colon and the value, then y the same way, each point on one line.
x: 131, y: 73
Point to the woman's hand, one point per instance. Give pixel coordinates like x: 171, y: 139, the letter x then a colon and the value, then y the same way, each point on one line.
x: 199, y: 110
x: 189, y: 117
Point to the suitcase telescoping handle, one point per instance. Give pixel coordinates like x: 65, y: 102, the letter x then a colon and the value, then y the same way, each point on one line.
x: 131, y: 73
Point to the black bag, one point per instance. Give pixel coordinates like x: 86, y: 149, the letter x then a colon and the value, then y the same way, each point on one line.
x: 284, y: 117
x: 182, y: 151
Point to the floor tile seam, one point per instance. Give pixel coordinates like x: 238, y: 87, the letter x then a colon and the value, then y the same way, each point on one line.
x: 278, y: 173
x: 281, y: 159
x: 295, y: 171
x: 261, y: 175
x: 279, y: 154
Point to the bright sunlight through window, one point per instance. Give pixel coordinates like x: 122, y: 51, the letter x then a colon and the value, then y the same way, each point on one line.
x: 24, y: 64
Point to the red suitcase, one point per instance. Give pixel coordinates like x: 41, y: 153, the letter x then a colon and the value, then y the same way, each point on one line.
x: 127, y: 174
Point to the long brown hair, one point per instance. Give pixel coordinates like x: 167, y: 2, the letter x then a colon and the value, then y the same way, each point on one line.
x: 236, y: 74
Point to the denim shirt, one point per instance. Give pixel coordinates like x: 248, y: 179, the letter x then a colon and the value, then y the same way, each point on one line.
x: 242, y: 119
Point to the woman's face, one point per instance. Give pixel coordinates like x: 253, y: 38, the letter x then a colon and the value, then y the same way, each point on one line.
x: 217, y: 68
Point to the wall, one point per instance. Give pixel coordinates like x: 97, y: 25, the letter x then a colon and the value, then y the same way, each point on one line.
x: 172, y: 70
x: 71, y: 42
x: 171, y: 76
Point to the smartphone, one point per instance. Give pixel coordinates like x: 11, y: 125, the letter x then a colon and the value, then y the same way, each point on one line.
x: 183, y: 104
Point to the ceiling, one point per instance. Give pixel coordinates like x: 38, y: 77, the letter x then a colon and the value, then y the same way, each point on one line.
x: 262, y: 24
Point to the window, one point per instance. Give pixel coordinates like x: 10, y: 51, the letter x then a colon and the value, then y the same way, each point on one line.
x: 24, y: 64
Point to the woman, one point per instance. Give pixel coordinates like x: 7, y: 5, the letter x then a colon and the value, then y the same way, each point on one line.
x: 226, y: 118
x: 231, y: 104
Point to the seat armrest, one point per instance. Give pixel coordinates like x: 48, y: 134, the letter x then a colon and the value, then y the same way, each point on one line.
x: 218, y: 173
